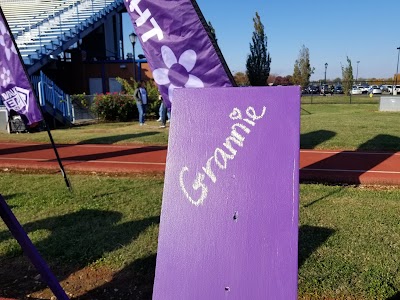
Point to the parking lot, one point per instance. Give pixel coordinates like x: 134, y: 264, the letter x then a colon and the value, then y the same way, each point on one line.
x: 342, y: 98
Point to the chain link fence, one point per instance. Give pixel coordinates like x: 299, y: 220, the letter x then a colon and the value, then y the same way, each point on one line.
x: 357, y: 92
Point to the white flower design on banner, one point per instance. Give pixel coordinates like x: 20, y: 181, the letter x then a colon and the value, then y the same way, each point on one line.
x: 5, y: 77
x: 6, y: 41
x: 177, y: 72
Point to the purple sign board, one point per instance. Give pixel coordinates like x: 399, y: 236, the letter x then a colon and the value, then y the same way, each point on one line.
x: 15, y: 87
x: 229, y: 220
x: 177, y: 46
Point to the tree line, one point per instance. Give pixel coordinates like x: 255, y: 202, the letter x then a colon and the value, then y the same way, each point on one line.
x: 258, y: 65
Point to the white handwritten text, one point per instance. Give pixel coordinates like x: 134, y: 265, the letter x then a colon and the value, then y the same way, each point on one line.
x: 219, y: 161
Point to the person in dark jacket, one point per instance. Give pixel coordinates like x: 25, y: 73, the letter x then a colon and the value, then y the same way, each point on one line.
x: 141, y: 99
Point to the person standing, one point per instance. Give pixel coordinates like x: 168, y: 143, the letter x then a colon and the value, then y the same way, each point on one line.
x: 140, y: 96
x: 161, y: 110
x: 163, y: 114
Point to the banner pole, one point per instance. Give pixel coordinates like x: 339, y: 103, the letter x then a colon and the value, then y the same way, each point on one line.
x: 213, y: 42
x: 36, y: 100
x: 30, y: 250
x: 64, y: 175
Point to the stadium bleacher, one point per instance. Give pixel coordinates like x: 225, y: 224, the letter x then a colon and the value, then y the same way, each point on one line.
x: 41, y: 27
x: 45, y: 29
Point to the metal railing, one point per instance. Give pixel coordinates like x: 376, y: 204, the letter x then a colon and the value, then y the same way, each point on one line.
x: 53, y: 99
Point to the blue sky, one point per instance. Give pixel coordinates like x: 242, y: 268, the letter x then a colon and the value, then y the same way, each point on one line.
x: 365, y: 31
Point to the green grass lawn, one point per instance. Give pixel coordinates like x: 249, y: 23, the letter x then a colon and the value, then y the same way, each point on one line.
x: 349, y: 236
x: 100, y: 133
x: 349, y: 127
x: 323, y: 126
x: 340, y: 99
x: 349, y: 242
x: 107, y: 225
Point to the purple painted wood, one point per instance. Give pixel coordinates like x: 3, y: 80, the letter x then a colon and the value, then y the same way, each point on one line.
x: 229, y: 220
x: 29, y: 249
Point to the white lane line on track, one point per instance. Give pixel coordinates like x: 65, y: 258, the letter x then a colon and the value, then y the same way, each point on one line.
x: 351, y: 171
x: 84, y: 161
x: 61, y: 146
x: 125, y: 162
x: 28, y: 159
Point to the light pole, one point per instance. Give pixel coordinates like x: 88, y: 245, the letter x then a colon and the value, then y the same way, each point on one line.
x: 132, y: 38
x: 397, y: 72
x: 357, y: 71
x: 326, y: 66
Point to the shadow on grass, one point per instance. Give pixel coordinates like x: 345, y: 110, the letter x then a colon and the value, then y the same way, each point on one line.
x: 305, y: 111
x: 394, y: 297
x: 323, y: 197
x: 6, y: 235
x: 112, y: 139
x: 136, y: 280
x: 84, y: 236
x: 74, y: 241
x: 313, y: 139
x: 79, y: 238
x: 10, y: 197
x: 381, y: 142
x: 310, y: 239
x: 133, y: 282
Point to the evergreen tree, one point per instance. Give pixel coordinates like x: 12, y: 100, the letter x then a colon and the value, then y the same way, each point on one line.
x: 212, y: 31
x: 258, y: 61
x: 296, y: 73
x: 347, y: 77
x: 302, y: 68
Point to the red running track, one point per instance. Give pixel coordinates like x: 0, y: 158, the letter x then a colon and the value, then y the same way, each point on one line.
x: 353, y: 167
x: 91, y: 158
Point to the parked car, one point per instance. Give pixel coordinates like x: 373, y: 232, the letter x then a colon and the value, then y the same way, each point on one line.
x: 374, y: 90
x: 364, y: 88
x: 390, y: 89
x: 326, y: 89
x: 355, y: 90
x: 384, y: 87
x: 338, y: 89
x: 313, y: 89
